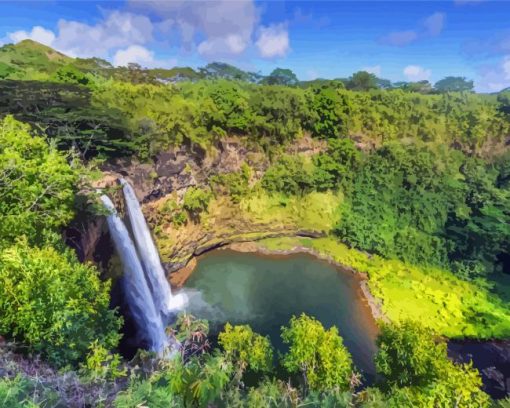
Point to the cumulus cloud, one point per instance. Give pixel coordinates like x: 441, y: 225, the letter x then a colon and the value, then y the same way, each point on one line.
x: 134, y: 53
x: 417, y: 73
x: 494, y: 77
x: 431, y: 26
x: 117, y: 30
x: 38, y: 33
x: 273, y: 41
x: 232, y: 44
x: 213, y: 29
x: 140, y: 55
x: 219, y: 28
x: 376, y: 69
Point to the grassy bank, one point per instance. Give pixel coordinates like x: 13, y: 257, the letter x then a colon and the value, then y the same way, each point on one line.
x: 435, y: 297
x: 256, y: 216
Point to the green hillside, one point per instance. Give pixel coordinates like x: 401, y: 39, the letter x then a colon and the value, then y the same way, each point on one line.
x: 29, y: 56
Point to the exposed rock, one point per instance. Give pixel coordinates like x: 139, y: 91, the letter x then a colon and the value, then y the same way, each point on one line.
x: 84, y: 238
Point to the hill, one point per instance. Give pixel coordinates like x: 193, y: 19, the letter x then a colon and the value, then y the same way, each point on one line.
x: 30, y: 55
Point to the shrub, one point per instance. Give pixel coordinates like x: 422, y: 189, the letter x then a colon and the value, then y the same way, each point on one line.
x: 102, y: 364
x: 37, y: 185
x: 288, y: 176
x: 246, y: 349
x: 416, y: 371
x: 318, y: 354
x: 196, y: 200
x: 54, y: 304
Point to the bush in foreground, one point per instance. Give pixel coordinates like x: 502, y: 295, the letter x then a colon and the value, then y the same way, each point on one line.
x: 54, y: 304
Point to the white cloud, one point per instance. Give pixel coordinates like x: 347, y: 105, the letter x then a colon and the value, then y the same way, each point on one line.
x: 434, y: 24
x: 494, y: 77
x: 231, y: 45
x: 140, y: 55
x: 119, y: 29
x: 134, y: 53
x: 506, y: 67
x: 38, y: 33
x: 376, y: 69
x: 417, y: 73
x: 217, y: 28
x: 214, y: 29
x: 273, y: 41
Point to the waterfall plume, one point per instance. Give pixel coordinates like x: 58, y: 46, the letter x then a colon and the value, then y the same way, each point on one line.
x: 166, y: 303
x: 137, y: 292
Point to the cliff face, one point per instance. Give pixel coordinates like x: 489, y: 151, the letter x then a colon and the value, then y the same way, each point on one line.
x: 176, y: 169
x: 172, y: 172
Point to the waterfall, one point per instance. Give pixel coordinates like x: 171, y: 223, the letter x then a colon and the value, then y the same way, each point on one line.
x: 164, y: 301
x: 137, y: 292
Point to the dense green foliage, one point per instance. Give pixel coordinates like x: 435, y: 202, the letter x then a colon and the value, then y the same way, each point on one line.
x: 417, y: 372
x: 428, y: 206
x: 362, y: 81
x: 37, y: 185
x: 122, y: 111
x: 55, y: 304
x: 246, y: 349
x: 49, y: 301
x: 206, y: 380
x: 454, y: 84
x: 318, y: 354
x: 408, y: 355
x: 19, y: 392
x: 196, y: 200
x: 416, y: 175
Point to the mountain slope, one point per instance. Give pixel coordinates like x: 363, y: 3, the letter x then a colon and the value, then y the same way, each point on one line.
x: 28, y: 54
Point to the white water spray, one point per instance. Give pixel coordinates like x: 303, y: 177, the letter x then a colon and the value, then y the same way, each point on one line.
x: 137, y: 292
x: 166, y: 303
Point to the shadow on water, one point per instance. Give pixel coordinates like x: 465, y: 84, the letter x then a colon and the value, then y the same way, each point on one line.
x: 266, y: 291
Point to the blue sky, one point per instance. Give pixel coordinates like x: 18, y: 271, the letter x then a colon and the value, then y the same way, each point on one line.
x: 400, y: 40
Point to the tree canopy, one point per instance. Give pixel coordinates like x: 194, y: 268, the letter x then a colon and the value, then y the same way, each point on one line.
x: 454, y: 84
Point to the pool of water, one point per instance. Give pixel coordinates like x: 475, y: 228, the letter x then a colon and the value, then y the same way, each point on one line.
x: 266, y: 291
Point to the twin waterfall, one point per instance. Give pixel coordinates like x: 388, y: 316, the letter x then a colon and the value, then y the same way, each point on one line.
x: 146, y: 287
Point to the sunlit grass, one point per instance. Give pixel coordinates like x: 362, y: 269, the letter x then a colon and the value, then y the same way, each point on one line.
x: 435, y: 297
x: 314, y: 211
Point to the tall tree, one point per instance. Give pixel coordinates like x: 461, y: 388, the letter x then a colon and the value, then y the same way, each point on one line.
x: 454, y: 84
x: 362, y: 81
x: 281, y: 76
x: 317, y: 353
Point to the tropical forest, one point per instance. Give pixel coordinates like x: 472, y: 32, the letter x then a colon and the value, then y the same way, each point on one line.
x: 215, y: 233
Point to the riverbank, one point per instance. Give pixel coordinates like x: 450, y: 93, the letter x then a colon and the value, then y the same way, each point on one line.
x: 427, y: 289
x: 397, y: 291
x: 179, y: 277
